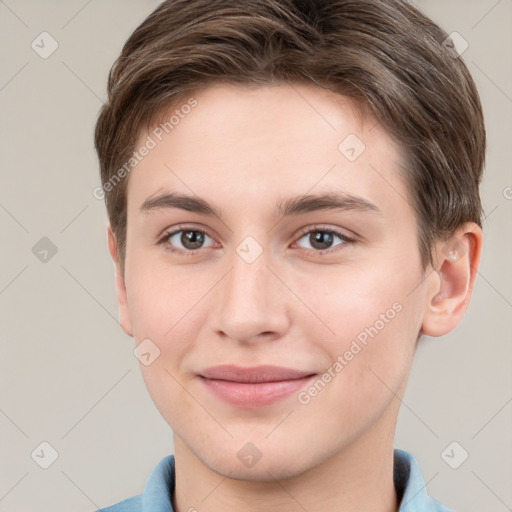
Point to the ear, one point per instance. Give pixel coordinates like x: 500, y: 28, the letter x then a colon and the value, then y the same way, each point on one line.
x: 452, y: 280
x: 124, y: 313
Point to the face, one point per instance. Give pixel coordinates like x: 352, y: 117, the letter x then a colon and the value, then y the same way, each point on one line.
x: 281, y: 301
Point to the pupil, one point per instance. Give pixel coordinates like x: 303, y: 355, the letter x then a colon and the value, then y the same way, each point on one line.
x: 321, y: 240
x: 192, y: 238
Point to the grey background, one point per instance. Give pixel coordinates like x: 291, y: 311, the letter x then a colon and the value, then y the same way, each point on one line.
x: 67, y: 372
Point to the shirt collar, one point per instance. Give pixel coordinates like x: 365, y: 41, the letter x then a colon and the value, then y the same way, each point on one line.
x: 409, y: 484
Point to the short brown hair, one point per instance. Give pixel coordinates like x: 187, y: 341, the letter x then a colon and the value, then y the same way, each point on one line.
x: 383, y: 53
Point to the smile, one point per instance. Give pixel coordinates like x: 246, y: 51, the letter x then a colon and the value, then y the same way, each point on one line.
x: 254, y: 387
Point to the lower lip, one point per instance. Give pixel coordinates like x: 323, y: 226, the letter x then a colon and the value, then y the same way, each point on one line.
x: 254, y: 395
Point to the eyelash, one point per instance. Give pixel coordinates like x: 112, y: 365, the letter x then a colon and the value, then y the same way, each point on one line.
x: 306, y: 231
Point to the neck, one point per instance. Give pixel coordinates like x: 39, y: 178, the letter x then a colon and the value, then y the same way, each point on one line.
x: 356, y: 479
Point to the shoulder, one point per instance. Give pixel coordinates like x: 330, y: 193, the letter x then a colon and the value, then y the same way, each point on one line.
x: 157, y: 492
x: 133, y: 504
x: 411, y: 487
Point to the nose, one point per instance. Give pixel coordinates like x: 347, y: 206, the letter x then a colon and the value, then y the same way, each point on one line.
x: 251, y: 303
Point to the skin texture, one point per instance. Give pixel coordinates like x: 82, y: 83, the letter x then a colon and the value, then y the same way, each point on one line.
x: 244, y: 151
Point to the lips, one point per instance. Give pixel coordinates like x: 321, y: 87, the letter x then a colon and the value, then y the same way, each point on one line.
x: 253, y: 387
x: 253, y: 375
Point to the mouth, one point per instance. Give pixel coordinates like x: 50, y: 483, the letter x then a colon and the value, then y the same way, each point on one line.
x: 253, y: 387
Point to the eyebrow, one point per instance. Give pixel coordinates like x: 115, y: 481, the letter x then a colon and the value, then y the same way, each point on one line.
x: 290, y: 207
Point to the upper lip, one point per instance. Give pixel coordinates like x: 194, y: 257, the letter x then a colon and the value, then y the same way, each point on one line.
x: 254, y: 374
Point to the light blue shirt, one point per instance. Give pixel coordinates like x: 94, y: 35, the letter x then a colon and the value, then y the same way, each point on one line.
x: 159, y: 489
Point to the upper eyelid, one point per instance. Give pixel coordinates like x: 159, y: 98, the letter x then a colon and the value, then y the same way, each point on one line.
x: 172, y: 231
x: 322, y: 227
x: 302, y: 231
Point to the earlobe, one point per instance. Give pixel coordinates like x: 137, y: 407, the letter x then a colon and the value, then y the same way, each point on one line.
x: 124, y: 313
x: 452, y: 280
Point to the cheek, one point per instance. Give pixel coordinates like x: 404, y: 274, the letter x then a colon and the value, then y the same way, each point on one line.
x: 159, y: 298
x: 163, y: 308
x: 368, y: 319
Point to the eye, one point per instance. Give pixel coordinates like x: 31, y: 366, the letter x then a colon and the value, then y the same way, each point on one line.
x: 320, y: 239
x: 188, y: 240
x: 185, y: 240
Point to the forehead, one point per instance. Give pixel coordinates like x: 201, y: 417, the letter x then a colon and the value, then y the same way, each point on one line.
x: 244, y: 146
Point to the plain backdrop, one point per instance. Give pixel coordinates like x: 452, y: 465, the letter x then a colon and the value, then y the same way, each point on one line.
x: 68, y: 376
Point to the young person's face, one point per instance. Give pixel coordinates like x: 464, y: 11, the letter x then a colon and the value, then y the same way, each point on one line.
x: 302, y: 290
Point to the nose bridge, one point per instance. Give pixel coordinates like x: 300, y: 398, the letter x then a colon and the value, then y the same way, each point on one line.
x: 249, y: 302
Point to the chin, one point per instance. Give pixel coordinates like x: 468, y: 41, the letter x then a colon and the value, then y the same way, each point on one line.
x: 267, y: 469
